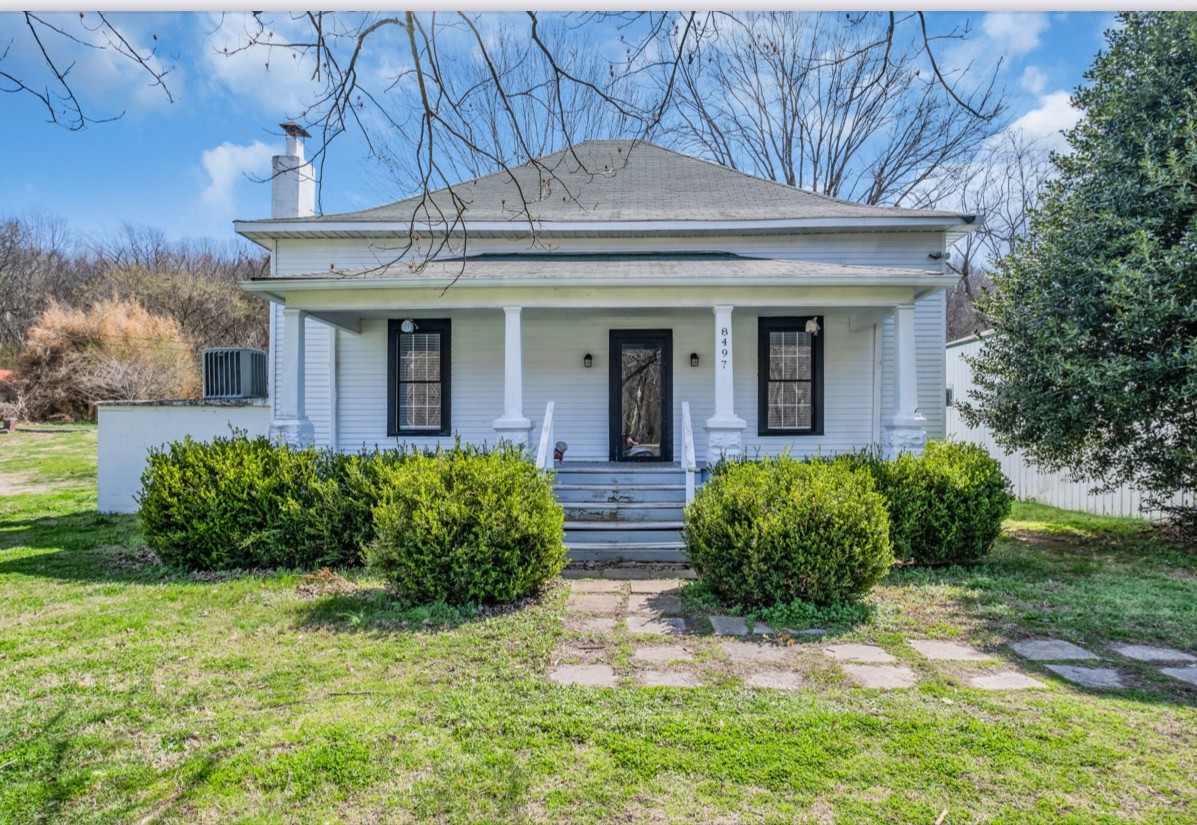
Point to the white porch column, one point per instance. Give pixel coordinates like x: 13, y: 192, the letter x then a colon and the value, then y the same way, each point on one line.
x: 905, y: 430
x: 291, y: 424
x: 513, y: 426
x: 724, y: 430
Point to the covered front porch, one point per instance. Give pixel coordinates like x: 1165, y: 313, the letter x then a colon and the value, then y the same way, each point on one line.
x: 335, y: 378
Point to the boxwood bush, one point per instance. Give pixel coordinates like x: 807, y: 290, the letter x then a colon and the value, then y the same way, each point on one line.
x: 243, y: 503
x: 772, y: 532
x: 467, y: 526
x: 946, y: 506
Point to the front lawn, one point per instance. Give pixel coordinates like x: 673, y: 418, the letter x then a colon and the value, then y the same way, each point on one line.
x: 130, y: 693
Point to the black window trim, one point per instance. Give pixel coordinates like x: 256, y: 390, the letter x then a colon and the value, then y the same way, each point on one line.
x: 765, y: 325
x: 439, y: 325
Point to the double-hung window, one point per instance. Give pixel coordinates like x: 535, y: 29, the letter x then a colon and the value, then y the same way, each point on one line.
x: 790, y: 371
x: 418, y: 377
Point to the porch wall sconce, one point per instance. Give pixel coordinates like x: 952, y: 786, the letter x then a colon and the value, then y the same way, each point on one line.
x: 694, y: 359
x: 812, y: 326
x: 588, y: 361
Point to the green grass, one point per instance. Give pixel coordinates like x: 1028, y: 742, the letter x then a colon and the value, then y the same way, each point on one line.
x: 131, y: 693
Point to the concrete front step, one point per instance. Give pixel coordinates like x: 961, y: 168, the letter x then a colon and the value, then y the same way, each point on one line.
x: 641, y: 511
x: 624, y: 493
x: 642, y: 551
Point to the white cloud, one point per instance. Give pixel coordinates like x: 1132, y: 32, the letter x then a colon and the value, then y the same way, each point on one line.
x: 1014, y: 34
x: 227, y: 165
x: 1034, y: 80
x: 277, y: 79
x: 1054, y: 114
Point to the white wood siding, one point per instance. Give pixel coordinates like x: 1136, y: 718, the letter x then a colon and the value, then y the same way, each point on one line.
x: 890, y: 249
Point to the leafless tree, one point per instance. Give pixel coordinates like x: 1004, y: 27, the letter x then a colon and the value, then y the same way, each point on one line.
x: 35, y: 267
x: 1001, y: 187
x: 845, y: 107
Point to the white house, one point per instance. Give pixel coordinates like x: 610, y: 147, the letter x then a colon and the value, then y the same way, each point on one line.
x: 649, y: 291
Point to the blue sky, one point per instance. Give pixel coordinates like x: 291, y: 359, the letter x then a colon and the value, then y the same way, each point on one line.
x: 184, y: 166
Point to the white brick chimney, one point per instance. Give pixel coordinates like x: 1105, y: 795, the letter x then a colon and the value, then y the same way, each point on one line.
x: 293, y: 186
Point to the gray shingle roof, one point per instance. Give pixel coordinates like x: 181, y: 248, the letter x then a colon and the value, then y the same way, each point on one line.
x: 682, y: 268
x: 620, y: 180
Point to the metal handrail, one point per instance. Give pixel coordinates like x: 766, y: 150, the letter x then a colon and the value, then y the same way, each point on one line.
x: 544, y: 455
x: 689, y: 464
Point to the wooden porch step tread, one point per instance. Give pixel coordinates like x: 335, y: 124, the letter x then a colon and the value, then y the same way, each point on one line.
x: 603, y: 486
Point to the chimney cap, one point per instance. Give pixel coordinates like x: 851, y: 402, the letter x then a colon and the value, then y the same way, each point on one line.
x: 293, y: 129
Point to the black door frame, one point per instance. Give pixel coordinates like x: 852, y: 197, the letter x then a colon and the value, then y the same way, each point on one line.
x: 663, y: 337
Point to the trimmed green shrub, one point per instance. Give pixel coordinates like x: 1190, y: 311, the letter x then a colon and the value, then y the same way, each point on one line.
x: 244, y: 503
x: 467, y: 526
x: 946, y: 506
x: 771, y: 532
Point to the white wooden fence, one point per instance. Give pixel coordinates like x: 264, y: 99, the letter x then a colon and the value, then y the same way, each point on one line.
x: 1030, y: 482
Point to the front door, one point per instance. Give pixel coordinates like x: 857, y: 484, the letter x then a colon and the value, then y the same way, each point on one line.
x: 641, y: 394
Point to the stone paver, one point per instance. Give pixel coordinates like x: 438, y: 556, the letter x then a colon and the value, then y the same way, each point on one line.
x: 595, y: 586
x: 947, y: 651
x: 646, y: 574
x: 655, y: 585
x: 858, y: 653
x: 881, y: 677
x: 1185, y: 674
x: 1150, y: 653
x: 1050, y: 650
x: 594, y: 603
x: 588, y: 675
x: 810, y: 631
x: 654, y: 603
x: 664, y: 678
x: 775, y: 680
x: 1100, y: 678
x: 1006, y: 680
x: 735, y: 626
x: 656, y: 625
x: 755, y: 652
x: 591, y: 624
x: 659, y: 654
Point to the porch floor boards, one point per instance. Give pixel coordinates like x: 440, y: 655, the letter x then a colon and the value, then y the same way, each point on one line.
x: 619, y: 466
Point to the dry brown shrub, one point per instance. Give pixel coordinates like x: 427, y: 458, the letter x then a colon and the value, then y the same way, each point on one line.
x: 115, y: 350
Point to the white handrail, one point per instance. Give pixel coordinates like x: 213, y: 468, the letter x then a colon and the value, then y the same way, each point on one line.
x: 544, y: 455
x: 689, y: 464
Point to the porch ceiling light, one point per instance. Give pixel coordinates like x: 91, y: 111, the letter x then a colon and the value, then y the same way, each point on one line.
x: 812, y: 326
x: 408, y: 325
x: 694, y: 359
x: 588, y: 361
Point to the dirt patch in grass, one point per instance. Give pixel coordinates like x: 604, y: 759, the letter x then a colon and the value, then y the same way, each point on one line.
x: 27, y: 483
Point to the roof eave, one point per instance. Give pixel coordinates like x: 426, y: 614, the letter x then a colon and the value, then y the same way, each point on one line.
x: 259, y: 231
x: 307, y: 283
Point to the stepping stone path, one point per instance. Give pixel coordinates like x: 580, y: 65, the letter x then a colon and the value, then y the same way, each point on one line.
x: 775, y: 680
x: 661, y: 678
x: 1050, y: 650
x: 655, y: 625
x: 735, y: 626
x: 1006, y: 680
x: 947, y: 651
x: 858, y: 653
x: 1147, y: 653
x: 751, y: 652
x: 660, y: 654
x: 594, y: 603
x: 882, y: 677
x: 643, y: 604
x: 1184, y: 674
x: 586, y: 675
x: 1100, y: 678
x: 654, y: 603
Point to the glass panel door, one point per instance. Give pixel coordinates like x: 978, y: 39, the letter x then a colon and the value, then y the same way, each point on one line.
x: 640, y: 396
